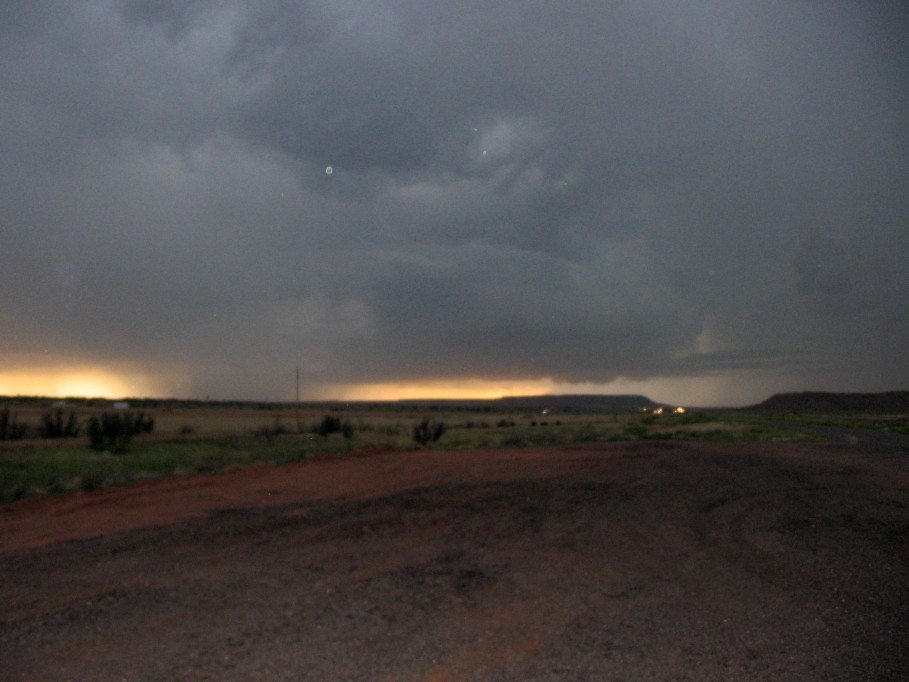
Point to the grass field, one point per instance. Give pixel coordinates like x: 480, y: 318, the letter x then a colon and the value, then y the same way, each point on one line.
x: 893, y: 423
x: 196, y: 440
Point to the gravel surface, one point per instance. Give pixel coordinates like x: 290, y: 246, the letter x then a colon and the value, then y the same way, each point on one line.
x: 661, y: 561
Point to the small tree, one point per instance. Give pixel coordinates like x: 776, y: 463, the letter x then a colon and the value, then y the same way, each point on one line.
x: 428, y: 431
x: 10, y: 427
x: 113, y: 432
x: 53, y: 425
x: 328, y: 426
x: 142, y: 423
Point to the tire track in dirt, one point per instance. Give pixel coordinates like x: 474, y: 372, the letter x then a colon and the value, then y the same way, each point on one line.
x: 662, y: 561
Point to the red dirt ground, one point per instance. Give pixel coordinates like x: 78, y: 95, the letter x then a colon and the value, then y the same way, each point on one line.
x: 627, y: 561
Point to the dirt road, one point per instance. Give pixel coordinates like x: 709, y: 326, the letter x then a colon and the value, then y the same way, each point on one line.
x: 634, y: 561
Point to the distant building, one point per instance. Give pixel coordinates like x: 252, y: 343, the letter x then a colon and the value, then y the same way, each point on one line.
x: 121, y: 405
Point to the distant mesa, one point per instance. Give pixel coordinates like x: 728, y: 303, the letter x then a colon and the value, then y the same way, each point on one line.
x: 888, y: 402
x: 581, y: 403
x: 561, y: 403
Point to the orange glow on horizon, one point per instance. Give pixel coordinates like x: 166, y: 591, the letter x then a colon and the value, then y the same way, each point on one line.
x: 484, y: 389
x: 77, y: 382
x: 440, y: 390
x: 704, y: 391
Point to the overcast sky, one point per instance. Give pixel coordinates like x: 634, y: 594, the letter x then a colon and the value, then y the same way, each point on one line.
x: 704, y: 201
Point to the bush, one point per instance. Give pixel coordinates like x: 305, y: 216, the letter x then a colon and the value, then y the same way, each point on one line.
x: 142, y: 423
x: 331, y: 424
x: 428, y: 431
x: 328, y: 426
x: 113, y: 432
x: 269, y: 432
x: 10, y: 428
x: 53, y: 425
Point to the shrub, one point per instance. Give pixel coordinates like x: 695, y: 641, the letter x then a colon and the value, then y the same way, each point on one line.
x: 347, y: 429
x: 10, y: 428
x: 328, y: 426
x: 428, y: 431
x: 53, y: 425
x: 113, y: 432
x: 141, y: 423
x: 269, y: 432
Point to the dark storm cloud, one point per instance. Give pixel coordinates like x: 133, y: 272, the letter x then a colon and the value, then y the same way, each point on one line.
x: 518, y: 190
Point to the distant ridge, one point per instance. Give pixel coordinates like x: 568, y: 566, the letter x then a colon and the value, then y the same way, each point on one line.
x: 891, y: 401
x: 579, y: 403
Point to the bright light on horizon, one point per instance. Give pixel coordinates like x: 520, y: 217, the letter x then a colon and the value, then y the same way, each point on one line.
x: 706, y: 391
x: 81, y: 382
x: 452, y: 389
x: 471, y: 389
x: 129, y: 380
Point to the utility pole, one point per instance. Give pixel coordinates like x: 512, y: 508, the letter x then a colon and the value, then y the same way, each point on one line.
x: 298, y: 387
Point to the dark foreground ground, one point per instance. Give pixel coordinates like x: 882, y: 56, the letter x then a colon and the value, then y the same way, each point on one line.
x: 625, y: 562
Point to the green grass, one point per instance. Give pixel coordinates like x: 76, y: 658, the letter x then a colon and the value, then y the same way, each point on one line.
x: 47, y: 467
x: 41, y: 469
x: 889, y: 423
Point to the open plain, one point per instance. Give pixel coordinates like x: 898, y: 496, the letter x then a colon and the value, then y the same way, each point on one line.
x: 625, y: 561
